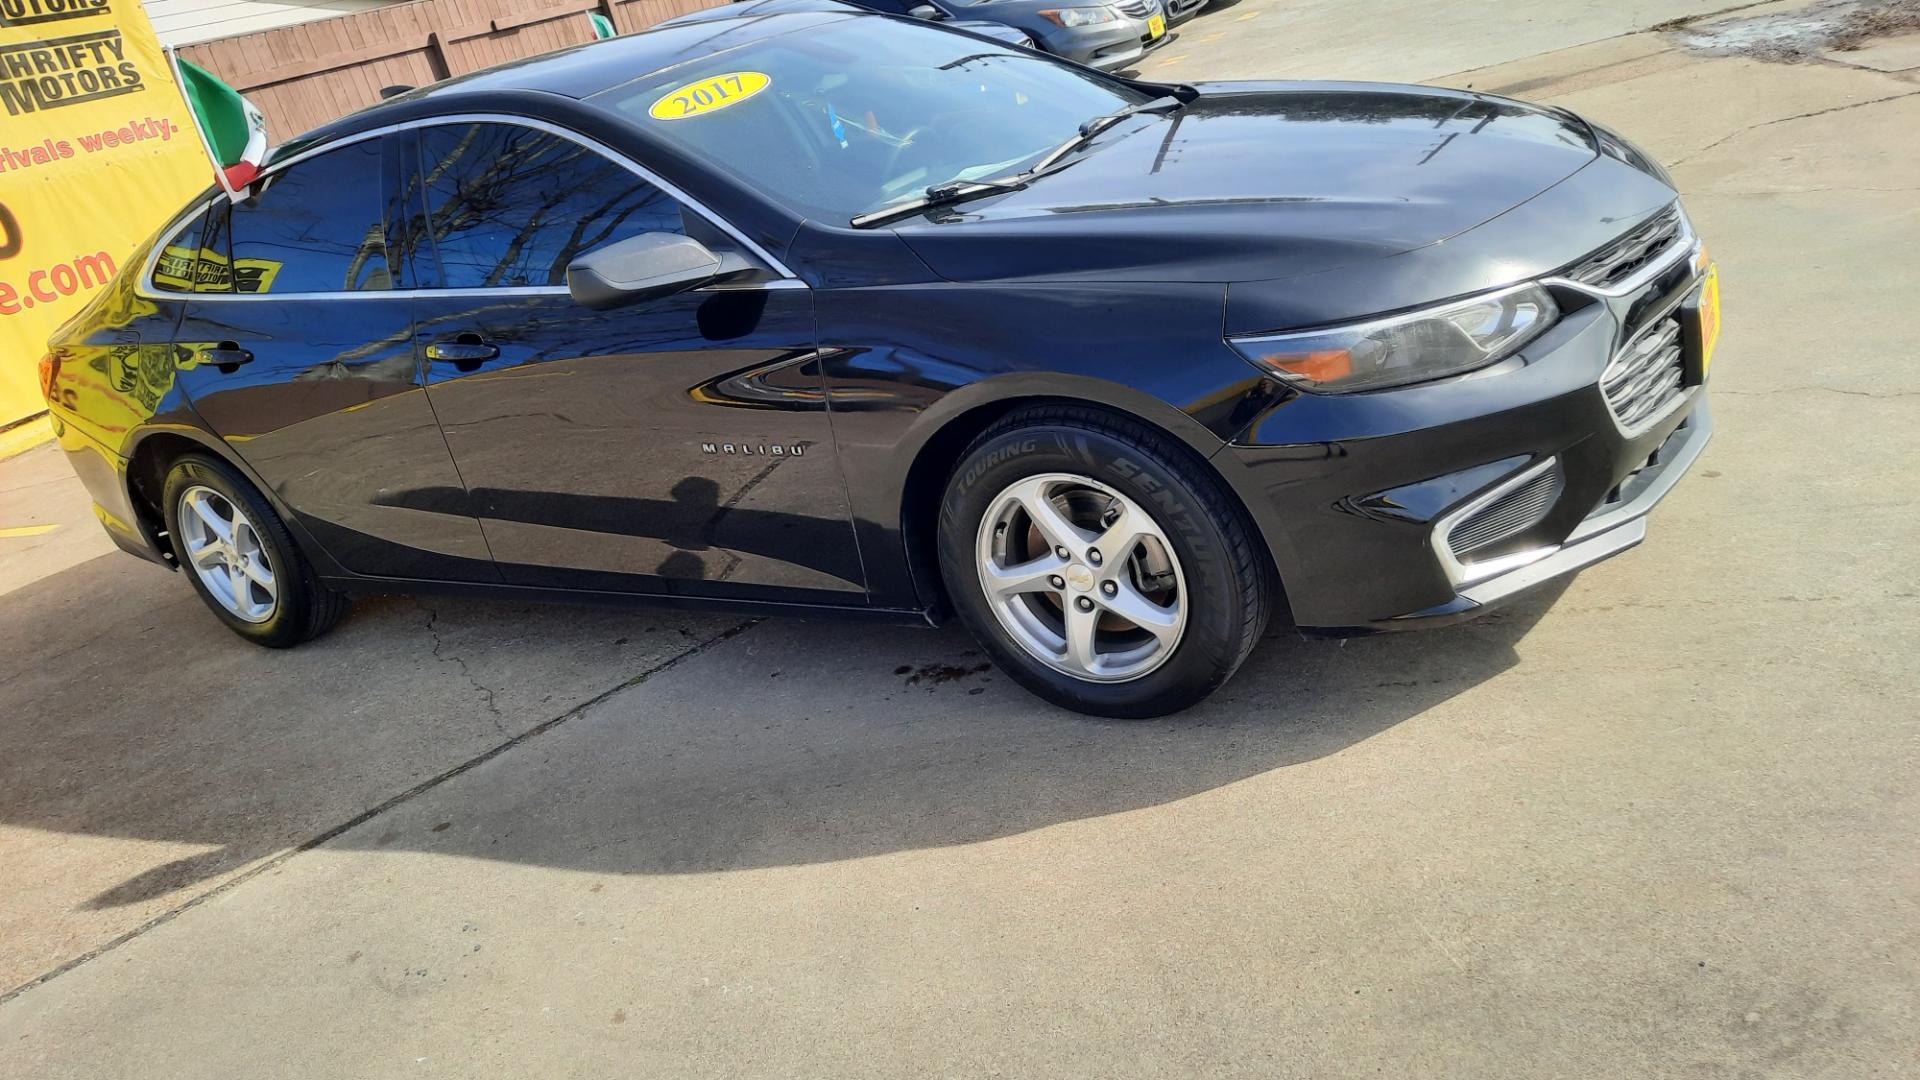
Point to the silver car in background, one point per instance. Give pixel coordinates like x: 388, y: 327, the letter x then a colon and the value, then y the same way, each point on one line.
x: 1108, y: 36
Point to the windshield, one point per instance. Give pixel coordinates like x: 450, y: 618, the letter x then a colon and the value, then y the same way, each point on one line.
x: 844, y: 117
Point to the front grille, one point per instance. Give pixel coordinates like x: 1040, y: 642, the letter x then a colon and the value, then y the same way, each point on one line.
x: 1511, y: 514
x: 1624, y: 257
x: 1138, y: 9
x: 1644, y: 380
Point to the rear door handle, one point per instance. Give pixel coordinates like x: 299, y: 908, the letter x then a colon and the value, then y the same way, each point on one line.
x: 465, y: 352
x: 227, y: 355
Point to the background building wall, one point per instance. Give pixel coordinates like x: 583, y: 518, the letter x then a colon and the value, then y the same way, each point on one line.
x: 184, y: 22
x: 306, y: 74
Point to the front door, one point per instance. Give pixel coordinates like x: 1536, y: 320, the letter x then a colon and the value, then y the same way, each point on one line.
x: 678, y: 445
x: 296, y: 347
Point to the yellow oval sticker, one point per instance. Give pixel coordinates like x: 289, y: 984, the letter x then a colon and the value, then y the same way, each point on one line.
x: 709, y: 95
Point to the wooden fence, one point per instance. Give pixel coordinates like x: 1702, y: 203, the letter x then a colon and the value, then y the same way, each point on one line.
x: 304, y: 75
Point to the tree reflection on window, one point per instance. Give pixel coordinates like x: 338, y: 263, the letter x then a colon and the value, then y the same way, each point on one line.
x: 510, y: 206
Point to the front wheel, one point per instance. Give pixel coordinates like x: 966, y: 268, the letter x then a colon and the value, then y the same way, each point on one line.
x: 1103, y: 569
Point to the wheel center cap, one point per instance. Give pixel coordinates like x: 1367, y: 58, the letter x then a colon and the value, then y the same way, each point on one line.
x: 1080, y: 578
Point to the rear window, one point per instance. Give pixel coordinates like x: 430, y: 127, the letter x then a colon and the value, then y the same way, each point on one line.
x: 842, y: 117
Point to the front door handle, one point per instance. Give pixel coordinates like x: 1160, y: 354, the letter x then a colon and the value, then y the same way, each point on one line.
x: 227, y: 356
x: 466, y: 352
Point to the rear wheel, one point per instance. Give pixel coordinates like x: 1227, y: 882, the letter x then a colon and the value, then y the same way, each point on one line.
x: 1105, y: 570
x: 240, y: 558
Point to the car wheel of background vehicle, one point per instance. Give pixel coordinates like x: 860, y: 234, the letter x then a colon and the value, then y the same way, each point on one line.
x: 1102, y: 568
x: 240, y: 558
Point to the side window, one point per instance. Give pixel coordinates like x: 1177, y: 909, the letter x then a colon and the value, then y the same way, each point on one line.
x: 315, y: 227
x: 173, y: 270
x: 511, y: 206
x: 892, y: 7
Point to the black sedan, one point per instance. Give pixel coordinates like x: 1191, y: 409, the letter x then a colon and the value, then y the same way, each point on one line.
x: 826, y: 312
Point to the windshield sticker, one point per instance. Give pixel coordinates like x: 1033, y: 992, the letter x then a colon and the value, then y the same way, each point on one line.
x: 709, y: 95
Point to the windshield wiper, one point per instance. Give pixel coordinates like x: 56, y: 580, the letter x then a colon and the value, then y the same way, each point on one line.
x: 1098, y: 124
x: 954, y: 191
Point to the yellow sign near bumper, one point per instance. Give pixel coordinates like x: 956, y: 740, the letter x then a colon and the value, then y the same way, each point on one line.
x: 1156, y: 27
x: 1709, y: 317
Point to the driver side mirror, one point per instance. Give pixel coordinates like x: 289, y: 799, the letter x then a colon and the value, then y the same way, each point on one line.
x: 646, y: 267
x: 927, y: 12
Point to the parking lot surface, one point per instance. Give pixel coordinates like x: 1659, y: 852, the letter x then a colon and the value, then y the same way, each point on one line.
x: 1660, y: 821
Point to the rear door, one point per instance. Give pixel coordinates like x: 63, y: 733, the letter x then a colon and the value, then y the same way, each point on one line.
x: 677, y: 445
x: 296, y: 347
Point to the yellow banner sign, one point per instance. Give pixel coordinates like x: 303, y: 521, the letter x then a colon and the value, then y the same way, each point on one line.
x: 97, y: 149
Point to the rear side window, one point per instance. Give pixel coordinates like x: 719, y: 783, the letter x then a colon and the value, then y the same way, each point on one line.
x: 175, y: 266
x: 315, y: 227
x: 511, y: 206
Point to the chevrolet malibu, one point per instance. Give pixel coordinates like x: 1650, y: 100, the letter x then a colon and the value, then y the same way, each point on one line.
x: 836, y: 312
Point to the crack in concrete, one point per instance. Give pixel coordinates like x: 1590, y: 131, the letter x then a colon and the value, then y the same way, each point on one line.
x: 493, y: 704
x: 1884, y: 394
x: 1737, y: 132
x: 1708, y: 601
x: 1657, y: 28
x: 362, y: 818
x: 1685, y: 21
x: 1793, y: 191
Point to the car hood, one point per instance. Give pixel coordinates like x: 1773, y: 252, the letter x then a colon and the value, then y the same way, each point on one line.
x: 1260, y: 181
x: 994, y: 30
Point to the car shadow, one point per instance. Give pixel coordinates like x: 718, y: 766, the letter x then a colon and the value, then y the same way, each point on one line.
x: 134, y: 715
x: 820, y: 743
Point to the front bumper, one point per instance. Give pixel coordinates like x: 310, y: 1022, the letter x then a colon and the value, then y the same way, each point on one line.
x: 1617, y: 524
x: 1378, y: 507
x: 1108, y: 46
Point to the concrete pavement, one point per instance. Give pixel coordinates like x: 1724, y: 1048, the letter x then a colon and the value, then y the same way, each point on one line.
x: 1661, y: 823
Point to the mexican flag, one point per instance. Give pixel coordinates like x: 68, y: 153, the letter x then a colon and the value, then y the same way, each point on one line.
x: 235, y: 132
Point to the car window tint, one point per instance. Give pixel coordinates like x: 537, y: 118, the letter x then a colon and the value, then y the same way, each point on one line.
x: 511, y: 206
x: 314, y: 227
x: 173, y: 268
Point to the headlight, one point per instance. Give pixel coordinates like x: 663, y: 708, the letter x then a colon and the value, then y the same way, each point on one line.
x: 1432, y: 344
x: 1079, y: 16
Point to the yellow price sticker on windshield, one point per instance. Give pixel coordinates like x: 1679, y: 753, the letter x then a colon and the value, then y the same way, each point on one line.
x: 709, y: 95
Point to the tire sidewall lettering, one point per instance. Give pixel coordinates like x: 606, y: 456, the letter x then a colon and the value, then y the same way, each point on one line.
x: 1168, y: 502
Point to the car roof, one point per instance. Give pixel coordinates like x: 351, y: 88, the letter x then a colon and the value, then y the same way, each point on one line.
x: 585, y: 70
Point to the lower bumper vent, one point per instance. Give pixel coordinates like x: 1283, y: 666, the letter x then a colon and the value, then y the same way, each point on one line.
x: 1512, y: 513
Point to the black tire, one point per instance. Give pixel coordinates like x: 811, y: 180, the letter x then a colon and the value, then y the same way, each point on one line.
x: 1229, y: 586
x: 306, y: 608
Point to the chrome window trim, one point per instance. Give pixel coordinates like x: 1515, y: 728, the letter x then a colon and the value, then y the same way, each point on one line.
x: 1464, y: 574
x: 144, y: 286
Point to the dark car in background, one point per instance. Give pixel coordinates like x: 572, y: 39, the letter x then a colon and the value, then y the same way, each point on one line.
x: 847, y: 313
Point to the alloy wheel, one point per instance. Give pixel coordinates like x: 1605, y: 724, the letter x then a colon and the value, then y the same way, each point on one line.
x: 1081, y: 577
x: 224, y: 549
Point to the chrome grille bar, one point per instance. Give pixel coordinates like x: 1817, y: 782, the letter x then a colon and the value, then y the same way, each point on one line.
x: 1644, y: 380
x: 1624, y: 257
